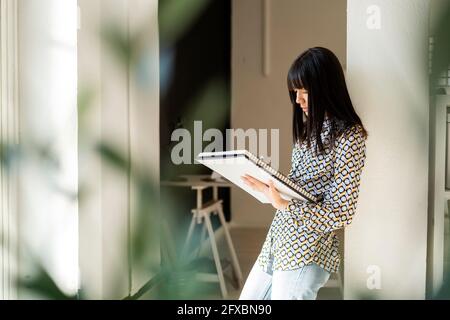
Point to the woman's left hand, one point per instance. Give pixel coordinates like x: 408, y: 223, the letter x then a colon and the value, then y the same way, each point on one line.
x: 269, y: 191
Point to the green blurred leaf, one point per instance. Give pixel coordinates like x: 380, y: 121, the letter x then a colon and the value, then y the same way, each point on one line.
x: 85, y: 98
x: 43, y: 286
x: 120, y: 44
x: 9, y: 154
x: 113, y: 157
x: 176, y: 16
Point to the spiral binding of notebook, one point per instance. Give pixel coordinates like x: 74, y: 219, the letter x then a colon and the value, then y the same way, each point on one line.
x: 281, y: 177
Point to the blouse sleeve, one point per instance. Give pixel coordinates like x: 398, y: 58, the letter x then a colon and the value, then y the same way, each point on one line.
x: 339, y: 201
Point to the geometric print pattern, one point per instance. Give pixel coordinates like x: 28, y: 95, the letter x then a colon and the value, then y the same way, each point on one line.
x: 304, y: 232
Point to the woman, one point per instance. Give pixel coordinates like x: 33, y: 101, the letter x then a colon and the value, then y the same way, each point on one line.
x: 301, y: 249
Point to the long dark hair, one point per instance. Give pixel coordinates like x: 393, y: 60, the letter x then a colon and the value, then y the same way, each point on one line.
x: 318, y: 71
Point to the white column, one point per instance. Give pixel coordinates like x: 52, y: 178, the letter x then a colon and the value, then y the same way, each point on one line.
x: 9, y: 112
x: 48, y: 118
x: 385, y: 247
x: 125, y: 114
x: 90, y: 128
x: 144, y: 125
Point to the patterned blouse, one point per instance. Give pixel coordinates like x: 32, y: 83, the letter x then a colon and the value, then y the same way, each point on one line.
x: 304, y: 232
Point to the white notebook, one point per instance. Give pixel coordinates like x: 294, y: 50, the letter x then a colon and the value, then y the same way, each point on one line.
x: 234, y: 164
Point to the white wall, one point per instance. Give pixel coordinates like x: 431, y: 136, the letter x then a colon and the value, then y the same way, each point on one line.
x: 293, y: 26
x: 387, y: 72
x: 48, y: 222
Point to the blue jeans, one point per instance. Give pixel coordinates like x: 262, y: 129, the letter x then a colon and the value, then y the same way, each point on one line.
x: 300, y: 284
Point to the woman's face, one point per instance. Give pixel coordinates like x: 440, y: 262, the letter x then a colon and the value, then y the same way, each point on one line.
x: 302, y: 99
